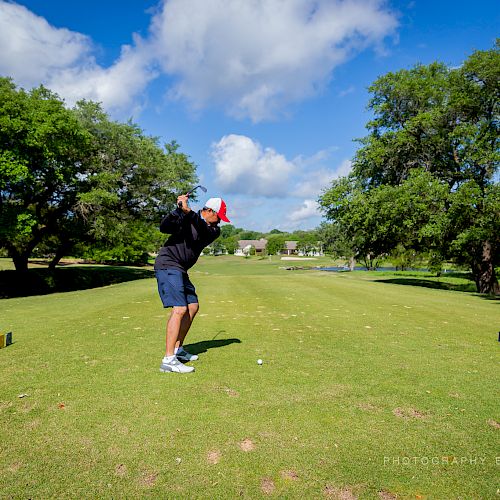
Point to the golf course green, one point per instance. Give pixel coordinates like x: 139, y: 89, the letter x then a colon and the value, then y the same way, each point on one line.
x: 370, y: 387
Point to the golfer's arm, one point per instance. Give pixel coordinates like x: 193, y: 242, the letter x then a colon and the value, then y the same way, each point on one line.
x: 172, y: 223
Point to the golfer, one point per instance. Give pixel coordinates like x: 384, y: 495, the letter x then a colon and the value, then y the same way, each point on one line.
x: 190, y: 232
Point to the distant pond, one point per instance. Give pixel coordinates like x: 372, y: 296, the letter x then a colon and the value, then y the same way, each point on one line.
x: 359, y: 268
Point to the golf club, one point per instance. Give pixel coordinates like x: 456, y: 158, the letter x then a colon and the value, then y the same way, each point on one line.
x: 203, y: 188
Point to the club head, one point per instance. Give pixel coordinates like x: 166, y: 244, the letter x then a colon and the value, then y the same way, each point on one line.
x: 203, y: 188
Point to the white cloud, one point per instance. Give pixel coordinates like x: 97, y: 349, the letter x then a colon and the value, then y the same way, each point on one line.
x: 34, y: 52
x: 313, y: 182
x: 252, y: 58
x: 263, y: 214
x: 306, y: 161
x: 255, y: 58
x: 315, y: 177
x: 32, y: 49
x: 118, y: 86
x: 347, y: 91
x: 308, y: 209
x: 344, y: 168
x: 244, y: 166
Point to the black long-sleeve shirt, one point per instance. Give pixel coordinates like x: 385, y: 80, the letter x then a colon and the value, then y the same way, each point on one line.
x: 189, y: 235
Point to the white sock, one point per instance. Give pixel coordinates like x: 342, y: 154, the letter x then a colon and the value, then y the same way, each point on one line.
x: 177, y: 349
x: 168, y: 359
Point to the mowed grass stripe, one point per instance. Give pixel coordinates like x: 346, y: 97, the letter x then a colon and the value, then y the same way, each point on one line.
x: 332, y: 399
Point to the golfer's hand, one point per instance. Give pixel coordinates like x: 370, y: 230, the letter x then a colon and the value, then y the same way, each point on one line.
x: 182, y: 202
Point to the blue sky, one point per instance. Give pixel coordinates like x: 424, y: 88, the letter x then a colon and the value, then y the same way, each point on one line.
x: 266, y: 97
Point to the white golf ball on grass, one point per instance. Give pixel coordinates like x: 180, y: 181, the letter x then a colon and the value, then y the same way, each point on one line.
x: 259, y: 361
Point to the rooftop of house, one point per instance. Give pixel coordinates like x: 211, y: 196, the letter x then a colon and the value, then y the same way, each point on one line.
x: 257, y: 244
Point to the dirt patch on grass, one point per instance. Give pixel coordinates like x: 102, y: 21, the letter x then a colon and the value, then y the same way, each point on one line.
x: 122, y: 429
x: 334, y: 391
x: 247, y: 445
x: 408, y: 413
x: 213, y: 457
x: 230, y: 392
x: 367, y: 407
x: 339, y: 493
x: 268, y: 435
x: 27, y: 407
x: 14, y: 467
x: 33, y: 424
x: 121, y: 470
x: 267, y: 486
x: 5, y: 404
x: 387, y: 495
x: 148, y: 479
x: 494, y: 423
x: 289, y: 475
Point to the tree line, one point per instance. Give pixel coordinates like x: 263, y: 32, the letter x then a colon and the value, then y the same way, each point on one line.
x: 230, y: 235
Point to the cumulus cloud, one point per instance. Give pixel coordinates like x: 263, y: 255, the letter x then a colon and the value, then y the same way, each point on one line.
x: 242, y: 165
x: 117, y: 86
x: 311, y: 184
x: 32, y: 49
x: 255, y: 58
x: 261, y: 214
x: 315, y: 176
x: 34, y: 52
x: 344, y: 168
x: 308, y: 209
x: 347, y: 91
x: 251, y: 58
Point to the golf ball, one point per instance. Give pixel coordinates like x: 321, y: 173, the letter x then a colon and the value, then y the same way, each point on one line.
x: 259, y: 361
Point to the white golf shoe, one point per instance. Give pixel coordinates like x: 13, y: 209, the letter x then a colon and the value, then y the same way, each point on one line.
x: 175, y: 366
x: 184, y: 356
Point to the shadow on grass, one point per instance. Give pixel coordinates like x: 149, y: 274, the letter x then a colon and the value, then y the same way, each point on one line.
x: 205, y: 345
x: 44, y: 281
x: 439, y: 285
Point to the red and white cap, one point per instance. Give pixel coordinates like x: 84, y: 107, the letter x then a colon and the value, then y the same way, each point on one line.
x: 218, y: 205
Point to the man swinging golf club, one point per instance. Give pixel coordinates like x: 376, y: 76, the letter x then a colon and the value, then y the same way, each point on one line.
x: 190, y: 232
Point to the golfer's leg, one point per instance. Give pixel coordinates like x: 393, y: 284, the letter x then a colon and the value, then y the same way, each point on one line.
x: 187, y: 320
x: 174, y: 328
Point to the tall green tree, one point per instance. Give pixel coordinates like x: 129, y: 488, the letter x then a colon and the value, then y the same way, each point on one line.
x: 275, y: 243
x: 41, y: 148
x: 336, y: 243
x: 426, y: 176
x: 74, y: 177
x: 130, y: 183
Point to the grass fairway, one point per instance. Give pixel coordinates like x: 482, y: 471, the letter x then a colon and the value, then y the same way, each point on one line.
x: 368, y: 389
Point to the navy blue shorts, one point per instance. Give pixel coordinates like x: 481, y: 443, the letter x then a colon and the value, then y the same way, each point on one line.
x: 175, y: 288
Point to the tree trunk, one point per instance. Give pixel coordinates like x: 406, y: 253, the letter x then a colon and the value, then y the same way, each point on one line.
x: 352, y: 263
x: 60, y: 252
x: 20, y: 260
x: 483, y: 271
x: 20, y: 257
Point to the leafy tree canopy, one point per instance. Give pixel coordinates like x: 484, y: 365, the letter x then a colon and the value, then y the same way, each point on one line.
x: 426, y: 175
x: 73, y: 176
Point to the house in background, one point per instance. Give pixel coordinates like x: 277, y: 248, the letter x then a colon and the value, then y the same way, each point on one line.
x: 305, y: 250
x: 290, y: 248
x: 245, y: 247
x: 215, y: 250
x: 312, y: 250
